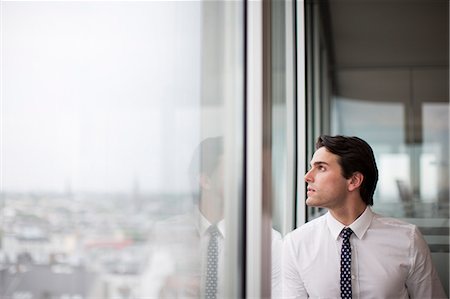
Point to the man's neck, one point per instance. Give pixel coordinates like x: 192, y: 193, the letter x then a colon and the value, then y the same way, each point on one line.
x: 348, y: 214
x: 212, y: 210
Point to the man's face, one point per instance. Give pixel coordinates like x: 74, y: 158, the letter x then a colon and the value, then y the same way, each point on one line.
x: 217, y: 179
x: 327, y: 187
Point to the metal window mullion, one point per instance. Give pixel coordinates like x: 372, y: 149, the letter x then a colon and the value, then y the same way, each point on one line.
x: 234, y: 138
x: 301, y: 113
x: 258, y: 162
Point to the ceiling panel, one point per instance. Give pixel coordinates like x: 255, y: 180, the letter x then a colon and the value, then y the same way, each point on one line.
x: 395, y: 33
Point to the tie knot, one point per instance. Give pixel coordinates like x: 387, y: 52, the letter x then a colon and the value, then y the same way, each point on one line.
x: 213, y: 230
x: 346, y: 233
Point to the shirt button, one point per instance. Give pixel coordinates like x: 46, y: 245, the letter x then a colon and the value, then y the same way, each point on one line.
x: 353, y: 277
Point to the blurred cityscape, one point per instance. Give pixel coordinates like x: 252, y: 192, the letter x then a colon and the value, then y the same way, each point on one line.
x: 77, y: 246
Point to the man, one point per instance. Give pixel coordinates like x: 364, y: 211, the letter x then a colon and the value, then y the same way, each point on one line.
x: 351, y: 252
x: 191, y: 244
x: 194, y: 243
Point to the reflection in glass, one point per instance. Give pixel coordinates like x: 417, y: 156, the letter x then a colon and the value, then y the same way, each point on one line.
x: 103, y: 104
x: 190, y: 245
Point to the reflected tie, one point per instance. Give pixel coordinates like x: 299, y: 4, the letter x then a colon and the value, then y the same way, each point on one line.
x: 212, y: 263
x: 346, y: 264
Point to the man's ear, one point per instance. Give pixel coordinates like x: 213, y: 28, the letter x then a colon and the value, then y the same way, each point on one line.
x: 204, y: 181
x: 355, y: 181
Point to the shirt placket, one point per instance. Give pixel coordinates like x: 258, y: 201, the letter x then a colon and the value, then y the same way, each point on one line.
x: 355, y: 269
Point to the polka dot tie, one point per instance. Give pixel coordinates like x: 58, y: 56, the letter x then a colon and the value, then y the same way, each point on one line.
x: 211, y: 263
x: 346, y: 264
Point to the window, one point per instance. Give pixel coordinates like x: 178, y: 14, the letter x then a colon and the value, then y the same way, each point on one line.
x: 103, y: 107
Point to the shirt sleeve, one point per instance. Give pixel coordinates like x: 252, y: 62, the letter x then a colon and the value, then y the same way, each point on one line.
x: 423, y: 280
x: 292, y: 283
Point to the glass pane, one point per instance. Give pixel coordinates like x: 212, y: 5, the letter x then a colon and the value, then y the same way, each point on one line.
x: 389, y: 85
x: 114, y: 141
x: 413, y: 178
x: 283, y: 114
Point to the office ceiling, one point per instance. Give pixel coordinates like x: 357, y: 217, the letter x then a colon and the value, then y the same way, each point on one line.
x: 390, y: 50
x: 389, y: 33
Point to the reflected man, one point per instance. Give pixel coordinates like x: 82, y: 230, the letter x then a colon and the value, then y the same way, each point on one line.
x: 352, y: 252
x: 193, y: 242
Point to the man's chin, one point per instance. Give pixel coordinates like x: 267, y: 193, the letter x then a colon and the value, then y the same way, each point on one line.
x: 311, y: 203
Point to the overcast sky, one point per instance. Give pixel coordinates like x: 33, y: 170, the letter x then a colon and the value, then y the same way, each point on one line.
x: 99, y: 95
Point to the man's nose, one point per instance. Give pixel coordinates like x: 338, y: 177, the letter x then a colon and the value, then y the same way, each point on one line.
x: 308, y: 176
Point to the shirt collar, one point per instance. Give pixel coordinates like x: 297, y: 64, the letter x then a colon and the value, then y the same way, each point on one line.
x: 203, y: 224
x: 359, y: 226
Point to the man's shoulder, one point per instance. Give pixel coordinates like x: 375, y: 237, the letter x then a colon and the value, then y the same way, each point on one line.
x: 397, y: 228
x: 393, y: 222
x: 177, y: 221
x: 308, y: 237
x: 176, y: 227
x: 310, y: 227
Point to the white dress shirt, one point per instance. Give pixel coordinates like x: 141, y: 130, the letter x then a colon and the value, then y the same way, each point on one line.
x: 180, y: 253
x: 390, y: 259
x: 203, y: 225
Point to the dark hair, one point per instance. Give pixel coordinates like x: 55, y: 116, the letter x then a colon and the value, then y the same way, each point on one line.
x: 206, y: 156
x: 355, y: 155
